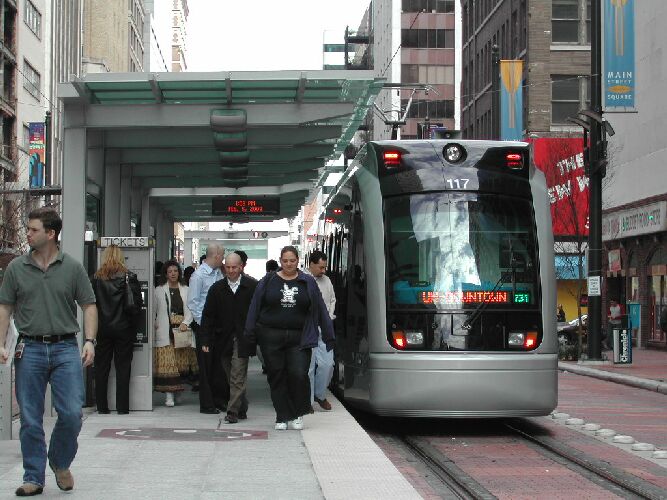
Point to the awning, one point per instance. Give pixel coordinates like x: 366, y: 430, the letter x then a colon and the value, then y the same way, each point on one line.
x: 191, y: 137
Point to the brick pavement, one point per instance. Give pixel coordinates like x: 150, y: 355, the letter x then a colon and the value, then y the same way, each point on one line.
x: 646, y: 363
x: 628, y: 410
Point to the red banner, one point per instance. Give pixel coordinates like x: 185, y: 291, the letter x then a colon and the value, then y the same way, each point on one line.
x: 562, y: 161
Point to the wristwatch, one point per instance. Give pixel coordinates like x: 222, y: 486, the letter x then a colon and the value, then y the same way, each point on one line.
x: 92, y: 341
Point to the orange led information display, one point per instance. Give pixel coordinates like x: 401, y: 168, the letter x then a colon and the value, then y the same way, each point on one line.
x: 470, y: 297
x: 237, y: 205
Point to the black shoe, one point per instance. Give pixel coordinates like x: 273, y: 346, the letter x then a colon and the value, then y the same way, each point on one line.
x: 243, y: 415
x: 103, y: 411
x: 209, y: 411
x: 123, y: 412
x: 231, y: 418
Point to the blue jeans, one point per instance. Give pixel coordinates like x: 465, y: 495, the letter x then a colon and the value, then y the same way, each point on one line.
x: 320, y: 371
x: 59, y: 364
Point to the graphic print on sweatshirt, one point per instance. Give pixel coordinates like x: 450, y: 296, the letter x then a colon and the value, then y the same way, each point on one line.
x: 289, y: 295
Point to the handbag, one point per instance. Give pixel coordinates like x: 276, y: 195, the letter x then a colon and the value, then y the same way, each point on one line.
x: 182, y: 339
x: 129, y: 304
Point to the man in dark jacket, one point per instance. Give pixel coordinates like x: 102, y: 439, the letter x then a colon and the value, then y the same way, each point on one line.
x: 223, y: 321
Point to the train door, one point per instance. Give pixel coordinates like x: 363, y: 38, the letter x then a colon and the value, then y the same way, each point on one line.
x: 357, y: 345
x: 337, y: 259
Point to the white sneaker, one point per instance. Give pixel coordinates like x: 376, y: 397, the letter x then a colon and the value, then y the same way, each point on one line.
x: 281, y: 426
x: 296, y: 424
x: 169, y: 399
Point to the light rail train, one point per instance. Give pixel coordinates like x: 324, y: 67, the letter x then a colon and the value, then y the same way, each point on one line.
x: 441, y: 255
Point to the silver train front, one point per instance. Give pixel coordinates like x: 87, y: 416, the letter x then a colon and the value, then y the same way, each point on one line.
x: 449, y: 384
x: 457, y: 385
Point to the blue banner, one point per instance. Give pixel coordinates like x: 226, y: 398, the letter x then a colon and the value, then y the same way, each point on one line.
x: 619, y: 77
x: 511, y: 100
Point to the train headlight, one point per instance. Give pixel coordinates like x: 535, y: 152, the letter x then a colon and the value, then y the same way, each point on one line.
x: 404, y: 339
x: 522, y: 340
x: 453, y: 153
x: 516, y: 339
x: 414, y: 337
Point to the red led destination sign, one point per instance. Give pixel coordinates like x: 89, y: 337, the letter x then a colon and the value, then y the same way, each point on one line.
x: 239, y: 205
x: 465, y: 297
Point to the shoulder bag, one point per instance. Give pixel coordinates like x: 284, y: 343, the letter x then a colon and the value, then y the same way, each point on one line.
x: 182, y: 339
x: 129, y: 303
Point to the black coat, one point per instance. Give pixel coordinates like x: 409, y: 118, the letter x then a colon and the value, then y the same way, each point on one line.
x: 113, y: 318
x: 224, y: 316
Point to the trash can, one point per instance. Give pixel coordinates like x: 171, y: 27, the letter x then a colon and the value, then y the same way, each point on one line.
x: 622, y: 343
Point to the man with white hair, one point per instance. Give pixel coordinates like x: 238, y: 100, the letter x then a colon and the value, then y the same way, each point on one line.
x: 223, y: 322
x: 213, y: 387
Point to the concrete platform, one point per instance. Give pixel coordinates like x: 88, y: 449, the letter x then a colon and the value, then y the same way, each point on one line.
x: 176, y: 453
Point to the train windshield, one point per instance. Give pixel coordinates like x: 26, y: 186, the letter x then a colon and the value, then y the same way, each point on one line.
x: 460, y: 251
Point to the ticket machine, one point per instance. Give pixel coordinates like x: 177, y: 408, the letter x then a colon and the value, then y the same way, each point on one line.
x: 139, y: 258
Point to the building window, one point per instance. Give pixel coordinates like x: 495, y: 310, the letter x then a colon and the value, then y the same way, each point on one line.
x: 445, y: 6
x: 31, y: 80
x: 432, y: 109
x: 435, y: 75
x: 567, y: 23
x: 427, y: 39
x: 569, y: 94
x: 33, y: 18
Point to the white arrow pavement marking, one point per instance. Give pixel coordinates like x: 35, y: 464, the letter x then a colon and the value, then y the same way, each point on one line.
x: 185, y: 431
x: 124, y: 433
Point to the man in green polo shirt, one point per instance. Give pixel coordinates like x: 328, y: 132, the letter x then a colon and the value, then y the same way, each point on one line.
x: 42, y: 289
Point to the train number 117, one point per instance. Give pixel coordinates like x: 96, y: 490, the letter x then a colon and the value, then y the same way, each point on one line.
x: 457, y: 183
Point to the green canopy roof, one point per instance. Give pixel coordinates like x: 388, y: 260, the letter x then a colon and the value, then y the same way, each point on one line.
x: 277, y: 132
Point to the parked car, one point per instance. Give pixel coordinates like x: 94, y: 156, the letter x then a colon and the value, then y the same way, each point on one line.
x: 567, y: 333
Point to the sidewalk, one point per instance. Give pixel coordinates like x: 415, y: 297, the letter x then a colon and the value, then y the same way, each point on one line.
x: 176, y: 453
x: 647, y: 371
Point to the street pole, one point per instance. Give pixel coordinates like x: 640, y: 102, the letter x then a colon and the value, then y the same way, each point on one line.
x: 597, y: 154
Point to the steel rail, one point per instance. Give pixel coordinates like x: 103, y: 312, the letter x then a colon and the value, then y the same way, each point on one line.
x: 631, y: 486
x: 459, y: 482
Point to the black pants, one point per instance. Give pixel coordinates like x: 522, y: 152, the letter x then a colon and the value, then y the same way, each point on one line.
x: 118, y: 346
x: 213, y: 384
x: 287, y: 371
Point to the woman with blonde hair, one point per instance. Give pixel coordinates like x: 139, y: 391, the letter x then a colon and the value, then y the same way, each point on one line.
x: 117, y: 327
x: 171, y: 366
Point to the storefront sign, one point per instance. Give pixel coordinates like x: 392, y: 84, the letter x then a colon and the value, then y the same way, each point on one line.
x: 562, y: 161
x: 635, y: 221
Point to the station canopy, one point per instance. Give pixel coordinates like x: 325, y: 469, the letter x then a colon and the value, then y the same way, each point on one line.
x: 200, y: 143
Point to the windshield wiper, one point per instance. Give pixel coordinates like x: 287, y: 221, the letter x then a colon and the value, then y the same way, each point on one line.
x: 514, y: 260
